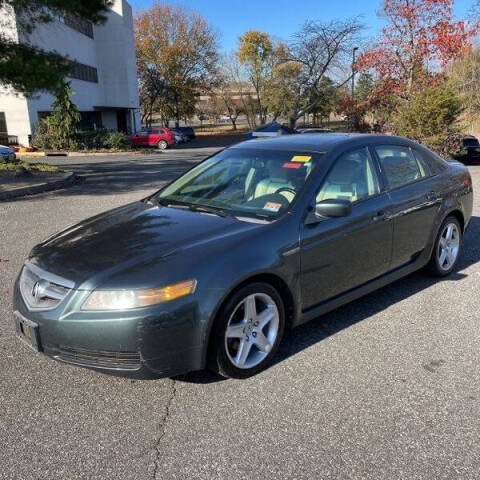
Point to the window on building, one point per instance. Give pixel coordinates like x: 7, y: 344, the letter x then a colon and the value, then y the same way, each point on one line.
x: 84, y: 72
x: 79, y: 24
x: 3, y: 123
x: 91, y: 120
x: 3, y: 129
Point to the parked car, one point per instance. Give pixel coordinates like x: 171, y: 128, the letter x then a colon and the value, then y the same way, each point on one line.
x: 180, y: 137
x: 7, y: 154
x: 161, y: 138
x: 262, y: 236
x: 272, y: 129
x: 470, y: 152
x: 188, y: 131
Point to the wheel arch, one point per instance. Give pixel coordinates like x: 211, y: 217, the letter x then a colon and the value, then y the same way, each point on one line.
x: 458, y: 214
x: 270, y: 278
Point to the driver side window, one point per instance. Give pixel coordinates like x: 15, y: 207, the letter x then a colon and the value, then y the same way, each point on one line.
x: 353, y: 177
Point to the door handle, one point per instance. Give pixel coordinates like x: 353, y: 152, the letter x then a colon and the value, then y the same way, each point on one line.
x: 432, y: 195
x: 380, y: 215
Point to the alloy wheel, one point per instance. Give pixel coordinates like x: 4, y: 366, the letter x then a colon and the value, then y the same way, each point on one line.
x: 252, y: 330
x: 448, y: 246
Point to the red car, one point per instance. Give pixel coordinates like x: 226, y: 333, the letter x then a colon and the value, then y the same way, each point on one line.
x: 161, y: 138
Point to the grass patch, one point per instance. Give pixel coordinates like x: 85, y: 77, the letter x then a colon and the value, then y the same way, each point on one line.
x: 32, y: 167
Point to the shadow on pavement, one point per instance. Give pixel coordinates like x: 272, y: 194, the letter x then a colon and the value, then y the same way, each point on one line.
x: 204, y: 141
x: 323, y: 327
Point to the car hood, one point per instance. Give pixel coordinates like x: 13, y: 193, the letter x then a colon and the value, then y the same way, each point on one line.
x: 127, y: 238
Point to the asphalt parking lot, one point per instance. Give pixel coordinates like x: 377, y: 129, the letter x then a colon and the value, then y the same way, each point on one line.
x: 387, y: 387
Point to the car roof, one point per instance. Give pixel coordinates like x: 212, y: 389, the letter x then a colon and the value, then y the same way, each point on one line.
x: 320, y: 143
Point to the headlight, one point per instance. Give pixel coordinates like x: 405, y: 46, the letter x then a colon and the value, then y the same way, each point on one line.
x: 126, y: 299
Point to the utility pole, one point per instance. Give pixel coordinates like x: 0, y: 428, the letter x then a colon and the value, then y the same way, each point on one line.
x: 353, y: 71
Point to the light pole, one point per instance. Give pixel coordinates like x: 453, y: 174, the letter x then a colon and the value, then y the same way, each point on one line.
x: 353, y: 71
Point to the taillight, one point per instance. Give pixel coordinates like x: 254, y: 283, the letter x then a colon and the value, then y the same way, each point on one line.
x: 467, y: 182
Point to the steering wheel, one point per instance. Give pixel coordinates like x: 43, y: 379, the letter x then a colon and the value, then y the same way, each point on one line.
x: 285, y: 189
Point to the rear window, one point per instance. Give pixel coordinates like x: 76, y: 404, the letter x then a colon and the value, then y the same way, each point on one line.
x: 470, y: 142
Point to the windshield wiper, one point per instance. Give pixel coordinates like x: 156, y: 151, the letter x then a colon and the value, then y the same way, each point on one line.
x: 198, y: 208
x: 215, y: 211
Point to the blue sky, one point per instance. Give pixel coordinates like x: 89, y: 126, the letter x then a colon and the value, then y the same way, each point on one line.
x: 281, y: 18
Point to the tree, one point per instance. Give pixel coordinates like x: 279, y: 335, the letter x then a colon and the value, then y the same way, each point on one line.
x: 230, y: 88
x: 59, y: 129
x: 465, y: 74
x: 327, y: 102
x: 280, y: 87
x: 320, y: 50
x: 420, y: 37
x: 25, y: 68
x: 431, y: 118
x: 176, y: 57
x: 255, y: 50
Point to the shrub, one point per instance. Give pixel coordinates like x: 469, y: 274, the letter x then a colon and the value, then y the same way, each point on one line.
x: 116, y: 141
x: 58, y: 130
x: 431, y: 117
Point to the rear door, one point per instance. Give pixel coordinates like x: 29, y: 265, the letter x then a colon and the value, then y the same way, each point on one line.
x: 415, y: 200
x: 154, y: 136
x: 338, y: 254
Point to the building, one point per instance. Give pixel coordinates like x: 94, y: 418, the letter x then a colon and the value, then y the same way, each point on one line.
x: 104, y: 77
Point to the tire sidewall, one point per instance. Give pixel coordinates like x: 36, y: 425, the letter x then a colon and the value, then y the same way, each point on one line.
x: 435, y: 266
x: 220, y: 361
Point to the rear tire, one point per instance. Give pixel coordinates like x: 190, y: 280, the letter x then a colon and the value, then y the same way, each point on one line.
x: 446, y: 248
x: 247, y: 331
x: 162, y: 145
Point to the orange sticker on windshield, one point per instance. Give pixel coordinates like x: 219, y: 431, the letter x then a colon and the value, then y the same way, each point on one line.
x: 301, y: 158
x: 272, y: 206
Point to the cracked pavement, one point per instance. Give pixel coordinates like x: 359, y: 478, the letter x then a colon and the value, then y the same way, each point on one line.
x: 386, y: 387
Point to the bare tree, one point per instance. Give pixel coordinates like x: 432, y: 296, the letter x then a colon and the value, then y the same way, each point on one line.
x: 321, y: 50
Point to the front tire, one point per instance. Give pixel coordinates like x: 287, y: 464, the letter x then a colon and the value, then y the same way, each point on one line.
x: 446, y: 249
x: 248, y: 331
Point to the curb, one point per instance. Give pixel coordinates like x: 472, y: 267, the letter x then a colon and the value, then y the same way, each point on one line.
x: 67, y: 180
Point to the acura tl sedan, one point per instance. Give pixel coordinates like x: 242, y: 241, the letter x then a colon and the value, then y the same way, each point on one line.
x: 211, y: 270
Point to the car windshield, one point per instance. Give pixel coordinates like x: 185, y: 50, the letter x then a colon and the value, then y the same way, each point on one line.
x: 242, y: 182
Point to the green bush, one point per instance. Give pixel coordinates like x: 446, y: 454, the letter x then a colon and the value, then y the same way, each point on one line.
x: 116, y: 141
x: 58, y: 130
x: 431, y: 117
x: 83, y: 140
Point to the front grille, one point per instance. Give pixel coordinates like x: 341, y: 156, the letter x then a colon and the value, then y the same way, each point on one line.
x: 98, y: 358
x: 42, y: 290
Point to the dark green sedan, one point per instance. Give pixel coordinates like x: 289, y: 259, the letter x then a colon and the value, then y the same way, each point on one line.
x: 214, y: 268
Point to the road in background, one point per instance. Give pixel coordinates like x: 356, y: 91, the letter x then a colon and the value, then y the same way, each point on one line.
x: 385, y: 387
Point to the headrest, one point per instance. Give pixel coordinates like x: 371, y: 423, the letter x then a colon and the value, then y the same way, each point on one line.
x: 343, y: 172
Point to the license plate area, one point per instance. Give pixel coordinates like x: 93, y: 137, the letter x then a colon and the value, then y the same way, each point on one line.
x: 27, y: 331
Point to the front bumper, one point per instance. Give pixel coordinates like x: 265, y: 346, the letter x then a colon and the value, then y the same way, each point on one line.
x: 158, y: 341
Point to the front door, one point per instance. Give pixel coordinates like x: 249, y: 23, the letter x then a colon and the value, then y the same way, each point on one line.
x: 338, y: 254
x: 122, y: 121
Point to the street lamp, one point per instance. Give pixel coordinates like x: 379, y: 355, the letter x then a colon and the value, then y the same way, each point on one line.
x: 353, y: 71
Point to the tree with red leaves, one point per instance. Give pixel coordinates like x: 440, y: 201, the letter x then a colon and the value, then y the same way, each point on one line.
x: 421, y: 38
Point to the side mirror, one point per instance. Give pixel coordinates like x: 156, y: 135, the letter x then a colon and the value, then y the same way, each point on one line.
x: 331, y: 208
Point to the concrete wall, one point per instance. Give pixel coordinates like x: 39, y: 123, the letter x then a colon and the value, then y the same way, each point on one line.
x: 13, y: 105
x: 111, y: 52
